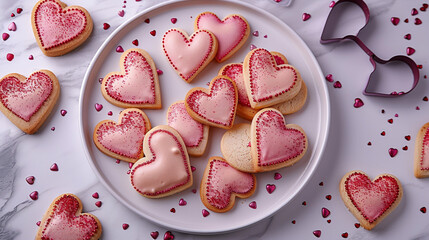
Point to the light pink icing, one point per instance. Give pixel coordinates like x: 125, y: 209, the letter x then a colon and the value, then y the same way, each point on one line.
x: 137, y: 85
x: 64, y: 225
x: 190, y: 130
x: 187, y: 55
x: 266, y: 78
x: 275, y: 142
x: 126, y: 138
x: 223, y: 180
x: 56, y: 26
x: 166, y: 170
x: 424, y: 163
x: 372, y: 199
x: 229, y: 32
x: 24, y: 99
x: 235, y: 72
x: 217, y: 107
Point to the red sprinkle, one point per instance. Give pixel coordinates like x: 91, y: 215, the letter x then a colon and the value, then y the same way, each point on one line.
x: 173, y: 210
x: 30, y: 180
x: 38, y: 223
x: 34, y: 195
x: 337, y: 84
x: 98, y: 203
x: 10, y: 57
x: 393, y: 152
x: 147, y: 20
x: 332, y: 4
x: 168, y: 236
x: 119, y: 49
x: 277, y: 176
x: 408, y: 137
x: 390, y: 120
x: 153, y: 32
x: 383, y: 133
x: 423, y: 209
x: 30, y: 57
x: 305, y: 16
x: 345, y: 235
x: 106, y: 26
x: 414, y: 12
x: 110, y: 113
x: 98, y: 107
x: 173, y: 20
x: 52, y: 129
x: 418, y: 21
x: 159, y: 71
x: 182, y: 202
x: 395, y: 20
x: 154, y: 235
x: 405, y: 148
x: 358, y: 103
x: 121, y: 13
x: 270, y: 188
x: 410, y: 51
x: 63, y: 112
x: 205, y: 213
x: 253, y: 205
x: 135, y: 42
x: 18, y: 10
x: 54, y: 167
x: 325, y: 212
x: 125, y: 226
x: 407, y: 36
x: 304, y: 203
x: 317, y: 233
x: 95, y: 195
x: 357, y: 225
x: 5, y: 36
x: 328, y: 197
x: 425, y: 98
x: 12, y: 27
x: 329, y: 78
x: 369, y: 144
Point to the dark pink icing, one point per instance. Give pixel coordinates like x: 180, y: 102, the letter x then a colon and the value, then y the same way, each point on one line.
x: 24, y: 99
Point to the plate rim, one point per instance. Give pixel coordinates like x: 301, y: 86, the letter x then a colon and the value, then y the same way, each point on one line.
x: 324, y: 129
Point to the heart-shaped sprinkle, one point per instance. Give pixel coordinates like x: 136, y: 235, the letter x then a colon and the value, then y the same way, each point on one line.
x: 410, y: 51
x: 337, y: 84
x: 408, y: 137
x: 168, y: 236
x: 370, y: 200
x: 328, y: 197
x: 255, y: 33
x: 253, y: 205
x: 153, y: 33
x: 5, y: 36
x: 135, y: 42
x: 345, y: 235
x: 137, y: 85
x: 215, y: 106
x: 270, y: 188
x: 173, y: 210
x: 274, y: 143
x: 357, y: 225
x: 421, y: 157
x: 277, y: 176
x: 119, y: 49
x: 34, y: 195
x: 12, y: 27
x: 125, y: 139
x: 173, y: 20
x: 63, y: 112
x: 231, y: 32
x: 305, y: 16
x: 54, y: 167
x: 30, y: 57
x: 332, y: 4
x: 407, y: 36
x: 317, y: 233
x: 325, y: 212
x: 165, y: 167
x: 189, y: 55
x: 423, y: 209
x: 147, y: 20
x: 414, y: 12
x: 52, y: 129
x: 329, y: 78
x: 205, y: 212
x: 106, y: 26
x: 405, y: 148
x: 38, y: 223
x: 418, y: 21
x: 182, y: 202
x: 395, y: 20
x: 390, y: 120
x: 95, y: 195
x: 393, y: 152
x: 30, y: 180
x: 125, y: 226
x: 10, y: 57
x: 221, y: 184
x: 98, y: 203
x: 154, y: 235
x: 19, y: 10
x: 358, y: 103
x: 98, y: 107
x: 121, y: 13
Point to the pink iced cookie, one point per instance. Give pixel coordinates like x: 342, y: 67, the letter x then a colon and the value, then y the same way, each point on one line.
x: 123, y: 140
x: 221, y: 184
x: 64, y: 220
x: 244, y: 110
x: 273, y: 143
x: 27, y: 102
x: 165, y: 169
x: 59, y: 29
x: 215, y: 106
x: 137, y: 85
x: 194, y: 134
x: 266, y: 82
x: 370, y: 201
x: 189, y: 55
x: 231, y: 32
x: 421, y: 153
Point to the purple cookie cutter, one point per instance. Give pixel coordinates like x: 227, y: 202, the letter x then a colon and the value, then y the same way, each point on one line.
x: 372, y: 57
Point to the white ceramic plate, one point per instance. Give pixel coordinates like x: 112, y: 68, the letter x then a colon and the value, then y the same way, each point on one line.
x: 314, y: 117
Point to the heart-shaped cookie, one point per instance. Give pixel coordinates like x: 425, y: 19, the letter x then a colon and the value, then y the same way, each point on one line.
x: 194, y: 134
x: 189, y: 55
x: 231, y: 32
x: 59, y: 29
x: 221, y: 184
x: 370, y: 201
x: 215, y: 106
x: 165, y: 169
x: 64, y: 220
x: 137, y: 85
x: 421, y: 153
x: 266, y: 82
x: 235, y: 72
x: 273, y: 143
x: 27, y: 102
x: 123, y: 140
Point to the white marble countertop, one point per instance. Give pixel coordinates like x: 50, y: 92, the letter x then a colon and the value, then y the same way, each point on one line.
x: 347, y: 149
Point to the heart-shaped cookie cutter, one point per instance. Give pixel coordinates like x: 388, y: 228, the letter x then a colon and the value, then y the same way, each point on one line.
x: 324, y: 39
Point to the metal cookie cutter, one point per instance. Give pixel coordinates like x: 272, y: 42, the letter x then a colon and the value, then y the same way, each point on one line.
x: 324, y: 39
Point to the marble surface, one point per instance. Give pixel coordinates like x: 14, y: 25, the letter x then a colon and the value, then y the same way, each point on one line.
x: 347, y: 149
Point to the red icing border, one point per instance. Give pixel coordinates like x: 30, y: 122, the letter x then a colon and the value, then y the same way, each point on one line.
x: 424, y: 142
